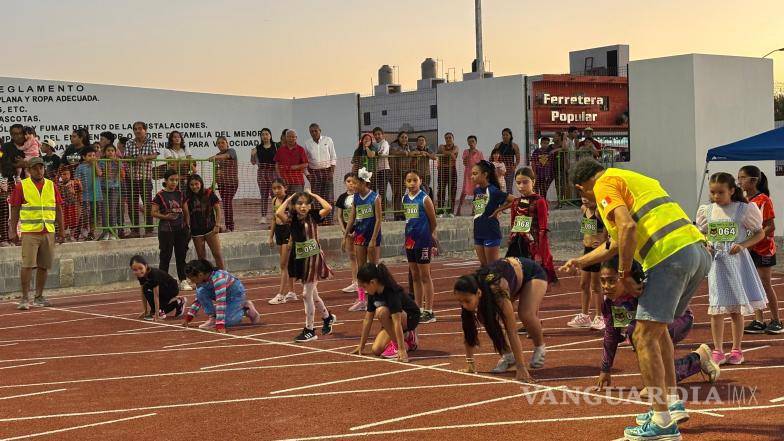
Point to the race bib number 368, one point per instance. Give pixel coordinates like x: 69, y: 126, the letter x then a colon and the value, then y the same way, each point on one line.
x: 522, y: 224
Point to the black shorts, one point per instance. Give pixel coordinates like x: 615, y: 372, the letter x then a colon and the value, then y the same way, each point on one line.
x: 518, y: 247
x: 282, y: 233
x: 763, y: 261
x: 412, y: 321
x: 418, y: 255
x: 593, y: 268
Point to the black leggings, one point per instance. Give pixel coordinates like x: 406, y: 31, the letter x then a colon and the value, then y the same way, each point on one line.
x: 173, y: 240
x: 164, y: 299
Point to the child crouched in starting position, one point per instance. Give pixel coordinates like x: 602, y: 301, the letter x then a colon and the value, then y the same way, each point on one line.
x: 222, y: 296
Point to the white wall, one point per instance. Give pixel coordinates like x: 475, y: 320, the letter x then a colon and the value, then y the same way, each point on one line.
x: 682, y: 106
x: 335, y: 114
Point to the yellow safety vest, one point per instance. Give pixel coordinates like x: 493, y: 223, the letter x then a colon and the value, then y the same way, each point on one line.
x: 39, y: 209
x: 663, y: 228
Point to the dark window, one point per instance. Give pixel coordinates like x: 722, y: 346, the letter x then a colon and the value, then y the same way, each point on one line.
x: 383, y: 113
x: 433, y: 111
x: 588, y: 64
x: 366, y: 118
x: 612, y: 63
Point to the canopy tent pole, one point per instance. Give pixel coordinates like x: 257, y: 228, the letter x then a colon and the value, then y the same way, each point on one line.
x: 702, y: 186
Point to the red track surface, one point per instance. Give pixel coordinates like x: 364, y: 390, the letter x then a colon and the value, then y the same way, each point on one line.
x: 87, y: 369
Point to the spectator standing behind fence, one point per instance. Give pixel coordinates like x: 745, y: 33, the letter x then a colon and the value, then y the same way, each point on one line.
x: 142, y: 150
x: 447, y: 174
x: 543, y: 163
x: 172, y: 231
x: 510, y: 156
x: 365, y: 154
x: 399, y: 166
x: 178, y: 157
x: 89, y: 174
x: 226, y: 178
x: 202, y: 214
x: 383, y: 175
x: 51, y: 160
x: 321, y: 165
x: 80, y: 138
x: 31, y: 147
x: 422, y: 155
x: 11, y: 157
x: 71, y: 191
x: 471, y: 157
x: 113, y: 173
x: 290, y: 161
x: 263, y: 157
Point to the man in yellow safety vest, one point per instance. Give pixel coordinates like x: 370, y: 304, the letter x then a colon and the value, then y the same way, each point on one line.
x: 647, y: 225
x: 35, y: 207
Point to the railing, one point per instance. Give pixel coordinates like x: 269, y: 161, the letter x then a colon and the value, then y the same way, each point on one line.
x: 566, y: 193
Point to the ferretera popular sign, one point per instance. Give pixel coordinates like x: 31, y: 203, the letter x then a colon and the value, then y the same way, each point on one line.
x: 576, y: 100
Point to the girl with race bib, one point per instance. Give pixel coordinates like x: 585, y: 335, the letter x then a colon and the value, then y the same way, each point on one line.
x: 594, y: 235
x: 488, y: 203
x: 420, y: 216
x: 279, y: 235
x: 365, y: 225
x: 731, y: 226
x: 530, y: 216
x: 344, y: 204
x: 306, y: 260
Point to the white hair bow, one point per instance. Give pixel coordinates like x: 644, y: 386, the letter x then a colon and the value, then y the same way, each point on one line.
x: 364, y: 174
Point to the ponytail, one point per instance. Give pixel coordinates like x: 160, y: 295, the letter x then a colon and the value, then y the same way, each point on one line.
x: 380, y: 272
x: 489, y: 314
x: 489, y: 169
x: 760, y: 180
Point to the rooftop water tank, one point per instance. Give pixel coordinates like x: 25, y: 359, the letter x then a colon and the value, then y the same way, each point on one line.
x: 428, y: 68
x: 385, y: 75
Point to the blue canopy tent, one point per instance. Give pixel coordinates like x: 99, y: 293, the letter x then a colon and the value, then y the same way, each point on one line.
x: 766, y: 146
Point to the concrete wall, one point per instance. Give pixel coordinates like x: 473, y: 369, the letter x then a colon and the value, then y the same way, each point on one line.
x: 684, y: 105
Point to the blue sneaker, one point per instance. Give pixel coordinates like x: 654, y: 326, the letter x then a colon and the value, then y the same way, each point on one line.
x: 650, y: 431
x: 677, y: 413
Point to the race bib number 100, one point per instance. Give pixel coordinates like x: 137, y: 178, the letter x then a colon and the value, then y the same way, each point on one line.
x: 725, y: 231
x: 522, y: 224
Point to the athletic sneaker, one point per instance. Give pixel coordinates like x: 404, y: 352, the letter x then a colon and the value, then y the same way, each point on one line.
x: 291, y: 296
x: 277, y: 300
x: 598, y: 323
x: 161, y: 314
x: 719, y: 357
x: 185, y: 286
x: 390, y: 351
x: 23, y: 306
x: 580, y: 321
x: 708, y: 367
x: 736, y: 357
x: 427, y: 317
x: 350, y: 288
x: 306, y: 335
x: 41, y: 301
x: 506, y: 362
x: 677, y: 413
x: 412, y: 341
x: 774, y: 327
x: 180, y: 309
x: 652, y: 431
x: 326, y: 329
x: 358, y: 306
x: 209, y: 324
x: 537, y: 358
x: 754, y: 327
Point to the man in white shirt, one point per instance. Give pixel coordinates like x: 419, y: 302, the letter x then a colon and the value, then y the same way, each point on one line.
x: 383, y: 174
x: 321, y: 164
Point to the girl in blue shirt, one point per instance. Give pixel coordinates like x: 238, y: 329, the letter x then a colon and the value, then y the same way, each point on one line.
x: 365, y: 225
x: 488, y: 201
x: 420, y: 236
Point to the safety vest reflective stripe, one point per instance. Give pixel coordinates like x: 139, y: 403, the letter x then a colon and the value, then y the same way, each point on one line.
x: 650, y: 205
x: 660, y: 234
x: 37, y: 208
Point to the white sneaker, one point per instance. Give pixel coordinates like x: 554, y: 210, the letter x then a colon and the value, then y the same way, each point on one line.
x: 277, y: 300
x: 598, y: 323
x: 537, y: 358
x: 358, y: 306
x: 209, y: 324
x: 350, y: 288
x: 506, y: 362
x: 185, y: 286
x: 291, y: 297
x: 580, y: 321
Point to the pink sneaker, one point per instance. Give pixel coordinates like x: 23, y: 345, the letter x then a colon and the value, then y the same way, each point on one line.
x: 719, y: 357
x: 736, y: 357
x: 358, y: 306
x: 580, y: 321
x: 412, y: 342
x: 390, y: 351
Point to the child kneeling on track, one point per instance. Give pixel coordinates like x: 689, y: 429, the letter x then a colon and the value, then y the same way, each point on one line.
x: 279, y: 235
x: 487, y: 297
x: 618, y: 315
x: 594, y: 235
x: 395, y: 310
x: 159, y: 291
x: 222, y: 296
x: 306, y: 260
x: 365, y: 225
x: 420, y: 237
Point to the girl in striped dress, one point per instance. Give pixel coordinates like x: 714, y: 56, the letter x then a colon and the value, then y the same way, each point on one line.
x: 364, y: 224
x: 306, y: 260
x: 420, y: 236
x: 732, y: 226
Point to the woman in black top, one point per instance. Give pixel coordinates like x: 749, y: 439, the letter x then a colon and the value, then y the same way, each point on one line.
x: 510, y: 156
x: 202, y: 214
x: 263, y: 156
x: 172, y: 232
x: 159, y: 291
x: 80, y: 138
x: 394, y: 308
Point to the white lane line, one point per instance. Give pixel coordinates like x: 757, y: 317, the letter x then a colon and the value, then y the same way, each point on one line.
x: 754, y: 349
x: 83, y: 426
x: 33, y: 394
x: 637, y: 374
x: 346, y: 380
x: 576, y: 343
x: 278, y: 357
x: 23, y: 365
x: 777, y: 400
x: 561, y: 294
x: 447, y: 409
x: 76, y: 337
x: 8, y: 344
x: 146, y: 328
x: 52, y: 323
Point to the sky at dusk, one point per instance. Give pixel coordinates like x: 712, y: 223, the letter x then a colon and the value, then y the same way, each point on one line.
x: 287, y: 48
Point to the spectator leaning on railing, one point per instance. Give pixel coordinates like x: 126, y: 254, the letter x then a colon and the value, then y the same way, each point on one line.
x: 226, y: 178
x: 321, y: 165
x: 290, y: 161
x: 143, y: 150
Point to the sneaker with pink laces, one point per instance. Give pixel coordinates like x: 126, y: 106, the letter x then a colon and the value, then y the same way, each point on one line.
x: 412, y: 342
x: 580, y: 321
x: 358, y: 306
x: 719, y: 357
x: 390, y: 351
x: 736, y: 357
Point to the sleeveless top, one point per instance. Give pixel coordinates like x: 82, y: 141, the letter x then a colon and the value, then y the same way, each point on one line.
x: 418, y: 234
x: 365, y: 218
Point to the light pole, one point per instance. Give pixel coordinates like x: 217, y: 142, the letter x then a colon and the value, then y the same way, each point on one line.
x: 480, y: 64
x: 774, y: 50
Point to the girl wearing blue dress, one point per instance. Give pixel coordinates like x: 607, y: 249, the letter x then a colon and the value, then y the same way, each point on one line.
x: 420, y: 216
x: 364, y: 223
x: 731, y: 226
